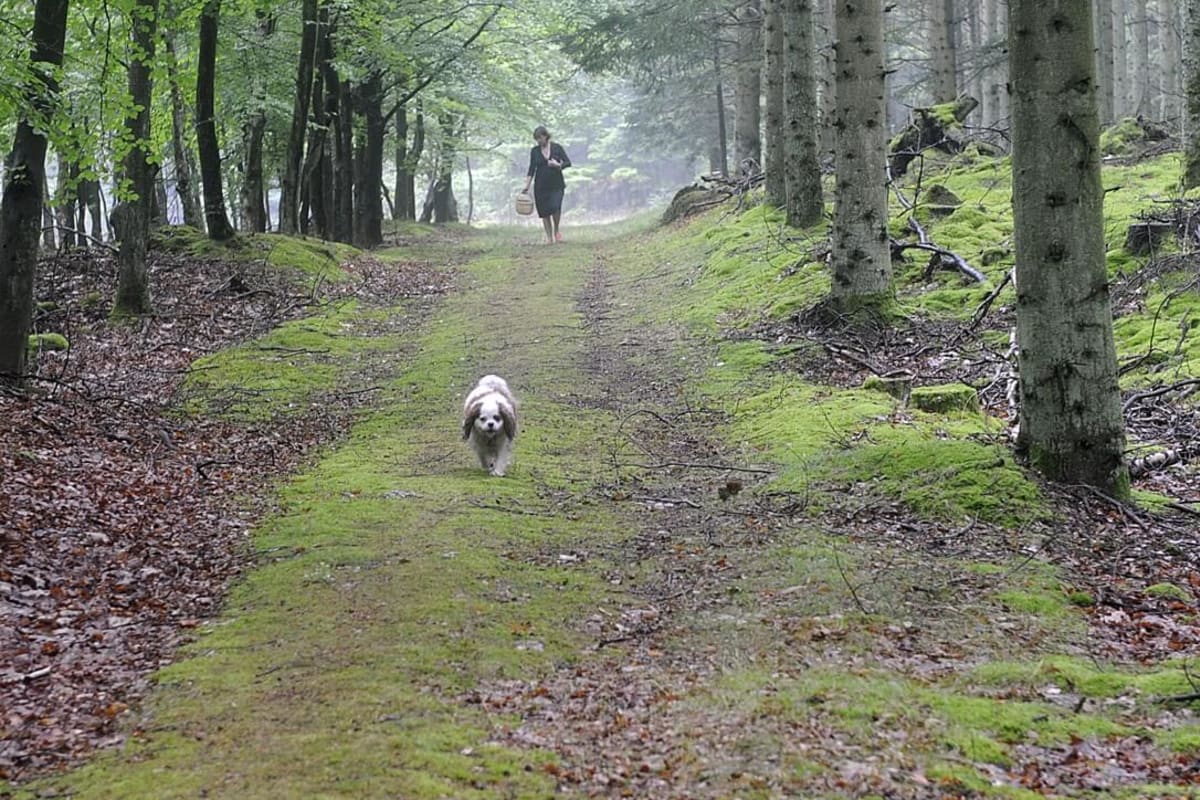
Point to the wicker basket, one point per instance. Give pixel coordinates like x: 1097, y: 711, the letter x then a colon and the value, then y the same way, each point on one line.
x: 524, y: 203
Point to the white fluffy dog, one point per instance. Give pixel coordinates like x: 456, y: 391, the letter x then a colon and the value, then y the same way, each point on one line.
x: 490, y: 423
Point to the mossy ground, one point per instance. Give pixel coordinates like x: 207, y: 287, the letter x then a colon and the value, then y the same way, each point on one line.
x: 396, y: 579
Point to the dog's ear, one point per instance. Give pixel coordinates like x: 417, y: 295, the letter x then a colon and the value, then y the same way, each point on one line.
x: 469, y: 417
x: 509, y: 415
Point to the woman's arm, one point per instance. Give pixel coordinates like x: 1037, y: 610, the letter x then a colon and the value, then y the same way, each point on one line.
x: 563, y: 161
x: 532, y: 169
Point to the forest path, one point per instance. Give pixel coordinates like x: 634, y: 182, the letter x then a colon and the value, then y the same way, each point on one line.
x: 403, y: 597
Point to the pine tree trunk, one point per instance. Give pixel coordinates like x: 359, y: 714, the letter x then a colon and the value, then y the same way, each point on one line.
x: 719, y: 154
x: 1169, y: 28
x: 1140, y: 94
x: 942, y: 47
x: 826, y: 78
x: 289, y: 200
x: 995, y: 92
x: 1071, y: 423
x: 1103, y: 26
x: 805, y: 205
x: 21, y: 204
x: 132, y: 216
x: 1120, y: 22
x: 747, y: 148
x: 1191, y: 94
x: 184, y: 163
x: 774, y: 163
x: 862, y: 271
x: 219, y: 228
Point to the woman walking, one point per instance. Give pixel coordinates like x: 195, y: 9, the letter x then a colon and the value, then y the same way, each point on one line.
x: 547, y: 160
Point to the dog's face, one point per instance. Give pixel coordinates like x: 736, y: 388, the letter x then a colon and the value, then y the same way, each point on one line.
x: 490, y: 415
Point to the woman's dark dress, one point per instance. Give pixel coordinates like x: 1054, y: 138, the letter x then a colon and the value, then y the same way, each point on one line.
x: 548, y: 183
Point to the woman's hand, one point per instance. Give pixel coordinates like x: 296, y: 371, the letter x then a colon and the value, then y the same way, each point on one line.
x: 554, y: 162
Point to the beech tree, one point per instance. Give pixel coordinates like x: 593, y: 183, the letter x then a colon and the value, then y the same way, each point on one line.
x: 862, y: 269
x: 24, y: 189
x: 132, y: 215
x: 1071, y: 424
x: 215, y: 216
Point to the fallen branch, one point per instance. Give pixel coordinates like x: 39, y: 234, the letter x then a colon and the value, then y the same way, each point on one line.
x: 944, y: 256
x: 1140, y: 396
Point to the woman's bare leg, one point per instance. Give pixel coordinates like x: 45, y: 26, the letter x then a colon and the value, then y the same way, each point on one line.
x: 548, y: 224
x: 557, y: 216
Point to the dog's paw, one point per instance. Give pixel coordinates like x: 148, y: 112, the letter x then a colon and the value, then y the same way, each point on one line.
x: 497, y: 473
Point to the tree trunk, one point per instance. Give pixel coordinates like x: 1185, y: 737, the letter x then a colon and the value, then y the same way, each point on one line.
x: 774, y: 161
x: 805, y: 204
x: 1140, y: 93
x: 1191, y: 94
x: 1120, y: 17
x: 943, y: 57
x: 131, y: 217
x: 254, y: 207
x: 184, y: 163
x: 444, y: 207
x: 1104, y: 61
x: 1168, y: 28
x: 67, y: 194
x: 343, y: 165
x: 400, y: 207
x: 49, y: 244
x: 219, y: 228
x: 862, y: 270
x: 24, y: 179
x: 746, y: 143
x: 826, y: 72
x: 368, y: 199
x: 1070, y: 420
x: 414, y: 159
x: 995, y: 93
x: 720, y: 160
x: 318, y: 163
x: 289, y: 202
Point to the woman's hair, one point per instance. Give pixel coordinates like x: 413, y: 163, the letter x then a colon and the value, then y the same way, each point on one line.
x: 540, y: 130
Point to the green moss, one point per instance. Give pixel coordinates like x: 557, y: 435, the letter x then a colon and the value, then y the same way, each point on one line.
x: 942, y: 399
x: 1122, y: 138
x: 1169, y: 591
x: 47, y: 341
x: 313, y: 258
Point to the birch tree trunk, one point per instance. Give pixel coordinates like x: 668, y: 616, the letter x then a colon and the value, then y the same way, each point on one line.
x: 219, y: 228
x: 1071, y: 422
x: 774, y: 165
x: 131, y: 217
x: 862, y: 270
x: 805, y: 204
x: 1191, y: 94
x: 943, y: 59
x: 746, y: 143
x: 24, y: 182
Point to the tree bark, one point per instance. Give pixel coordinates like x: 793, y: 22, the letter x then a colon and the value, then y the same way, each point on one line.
x: 1169, y: 27
x: 343, y: 164
x: 826, y: 71
x: 1120, y: 17
x: 414, y: 160
x: 444, y: 206
x: 1140, y: 92
x: 862, y: 270
x: 219, y: 228
x: 774, y: 149
x: 804, y: 201
x: 24, y: 182
x: 67, y: 194
x: 131, y: 217
x: 253, y: 196
x: 942, y: 48
x: 184, y: 162
x: 368, y: 201
x: 289, y: 201
x: 1191, y: 94
x: 1071, y: 422
x: 719, y: 161
x: 747, y: 147
x: 995, y: 97
x: 400, y: 207
x: 1104, y: 60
